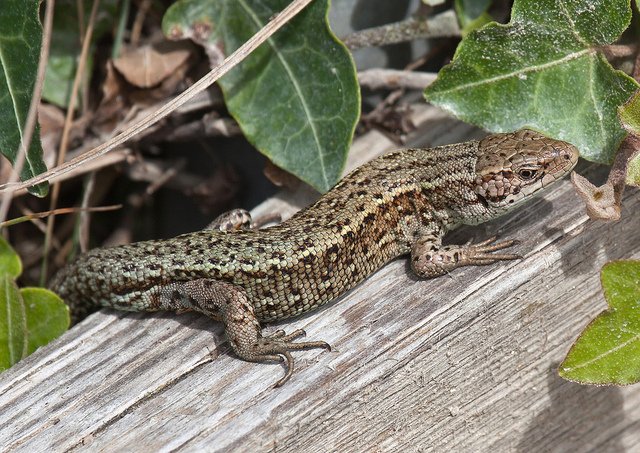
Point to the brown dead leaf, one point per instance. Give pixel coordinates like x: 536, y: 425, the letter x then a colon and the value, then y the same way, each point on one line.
x: 149, y: 65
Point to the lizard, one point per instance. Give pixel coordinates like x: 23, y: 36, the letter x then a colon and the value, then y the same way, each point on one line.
x: 399, y: 203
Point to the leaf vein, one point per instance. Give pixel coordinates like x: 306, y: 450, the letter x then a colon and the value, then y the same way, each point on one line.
x: 622, y: 345
x: 574, y: 31
x: 296, y: 86
x: 498, y: 78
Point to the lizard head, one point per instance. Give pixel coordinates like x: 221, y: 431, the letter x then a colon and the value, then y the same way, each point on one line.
x: 513, y: 166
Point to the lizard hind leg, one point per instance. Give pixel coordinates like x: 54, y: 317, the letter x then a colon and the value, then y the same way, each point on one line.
x: 229, y: 303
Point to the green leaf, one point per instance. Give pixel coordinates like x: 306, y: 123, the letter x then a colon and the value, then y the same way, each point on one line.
x: 608, y: 350
x: 29, y: 317
x: 47, y: 317
x: 9, y: 260
x: 20, y: 37
x: 296, y: 97
x: 13, y: 323
x: 472, y: 14
x: 633, y: 171
x: 543, y: 71
x: 66, y: 45
x: 629, y: 114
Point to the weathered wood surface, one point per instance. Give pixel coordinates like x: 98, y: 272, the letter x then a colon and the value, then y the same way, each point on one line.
x: 465, y: 362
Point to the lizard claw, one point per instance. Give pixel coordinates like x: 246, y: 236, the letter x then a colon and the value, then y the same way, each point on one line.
x: 482, y: 252
x: 429, y: 260
x: 279, y: 345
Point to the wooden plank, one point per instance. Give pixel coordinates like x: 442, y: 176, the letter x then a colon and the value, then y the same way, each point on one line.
x: 464, y: 362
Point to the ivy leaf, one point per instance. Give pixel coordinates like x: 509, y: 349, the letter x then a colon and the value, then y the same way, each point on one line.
x: 296, y: 97
x: 13, y: 323
x: 633, y: 171
x: 10, y: 263
x: 47, y: 317
x: 543, y: 71
x: 608, y: 350
x: 29, y: 317
x: 20, y: 37
x: 629, y: 115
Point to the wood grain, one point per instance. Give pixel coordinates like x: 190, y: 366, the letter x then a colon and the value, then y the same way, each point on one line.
x: 465, y: 362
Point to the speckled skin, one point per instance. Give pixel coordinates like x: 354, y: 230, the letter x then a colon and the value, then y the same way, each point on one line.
x: 399, y: 203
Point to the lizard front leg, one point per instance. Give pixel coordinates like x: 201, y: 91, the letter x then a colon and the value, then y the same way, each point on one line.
x: 229, y: 303
x: 429, y: 258
x: 234, y: 220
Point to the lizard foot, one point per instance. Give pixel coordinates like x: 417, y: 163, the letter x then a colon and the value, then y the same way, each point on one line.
x: 482, y: 252
x: 430, y: 259
x: 228, y: 303
x: 278, y: 347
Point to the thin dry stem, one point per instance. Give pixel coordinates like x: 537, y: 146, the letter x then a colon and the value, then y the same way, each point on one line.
x: 136, y: 30
x: 29, y: 215
x: 85, y: 217
x: 603, y: 202
x: 619, y: 50
x: 64, y: 142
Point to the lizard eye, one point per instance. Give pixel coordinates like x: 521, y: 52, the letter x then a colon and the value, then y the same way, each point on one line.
x: 527, y: 173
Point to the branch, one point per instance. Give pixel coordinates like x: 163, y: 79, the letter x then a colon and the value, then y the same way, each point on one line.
x: 603, y: 203
x: 442, y: 25
x: 391, y: 79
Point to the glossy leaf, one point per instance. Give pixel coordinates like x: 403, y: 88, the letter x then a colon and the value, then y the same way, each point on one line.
x: 633, y: 171
x: 29, y: 318
x: 20, y: 37
x: 608, y: 350
x: 543, y: 71
x: 296, y: 97
x: 13, y: 323
x: 10, y: 263
x: 47, y: 317
x: 629, y: 114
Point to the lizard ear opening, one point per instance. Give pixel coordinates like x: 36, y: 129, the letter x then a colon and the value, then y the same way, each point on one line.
x: 483, y: 201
